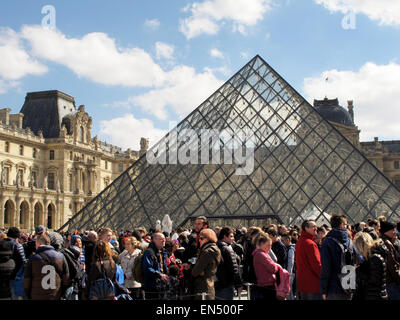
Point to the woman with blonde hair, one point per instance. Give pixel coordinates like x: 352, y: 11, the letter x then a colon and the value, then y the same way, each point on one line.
x: 265, y: 268
x: 371, y: 273
x: 127, y: 260
x: 206, y: 265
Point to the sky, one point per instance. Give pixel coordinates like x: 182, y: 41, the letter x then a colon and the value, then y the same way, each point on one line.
x: 137, y: 66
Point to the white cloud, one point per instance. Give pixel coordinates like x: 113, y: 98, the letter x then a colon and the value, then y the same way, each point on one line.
x: 216, y: 53
x: 187, y: 89
x: 374, y: 90
x: 152, y: 24
x: 206, y: 15
x: 15, y: 62
x: 5, y: 85
x: 126, y: 131
x: 387, y: 12
x: 164, y: 50
x: 244, y: 54
x: 95, y: 56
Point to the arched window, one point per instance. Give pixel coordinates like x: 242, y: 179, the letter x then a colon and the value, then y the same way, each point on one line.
x: 8, y: 213
x: 50, y: 216
x: 38, y: 213
x: 24, y: 215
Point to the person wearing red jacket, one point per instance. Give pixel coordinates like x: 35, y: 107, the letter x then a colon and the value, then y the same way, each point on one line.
x: 308, y: 262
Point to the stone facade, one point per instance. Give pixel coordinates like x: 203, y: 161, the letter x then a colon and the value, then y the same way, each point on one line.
x: 50, y: 165
x: 385, y: 155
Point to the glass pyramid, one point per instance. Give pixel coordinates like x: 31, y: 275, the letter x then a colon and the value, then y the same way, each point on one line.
x: 303, y: 166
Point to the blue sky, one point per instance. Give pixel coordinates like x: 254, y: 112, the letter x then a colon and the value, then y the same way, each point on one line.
x: 136, y: 65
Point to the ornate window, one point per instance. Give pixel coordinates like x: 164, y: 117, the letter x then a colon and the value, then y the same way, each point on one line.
x: 51, y: 181
x: 34, y: 179
x: 6, y: 174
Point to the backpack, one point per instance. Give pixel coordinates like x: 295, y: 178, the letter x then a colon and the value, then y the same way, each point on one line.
x: 137, y: 271
x: 282, y: 283
x: 103, y: 288
x: 347, y: 269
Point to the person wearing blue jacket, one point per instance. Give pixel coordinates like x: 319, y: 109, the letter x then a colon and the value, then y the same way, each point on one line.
x: 154, y: 266
x: 331, y: 254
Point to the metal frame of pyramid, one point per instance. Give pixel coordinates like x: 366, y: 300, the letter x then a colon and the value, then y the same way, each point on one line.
x: 301, y: 162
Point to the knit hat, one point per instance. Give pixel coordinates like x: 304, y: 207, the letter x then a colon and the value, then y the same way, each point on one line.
x: 14, y: 233
x: 40, y: 229
x: 56, y: 240
x: 386, y: 226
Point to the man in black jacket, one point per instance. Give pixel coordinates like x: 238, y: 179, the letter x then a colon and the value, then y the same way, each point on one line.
x: 7, y: 266
x: 89, y: 242
x: 278, y: 247
x: 228, y: 276
x: 18, y: 254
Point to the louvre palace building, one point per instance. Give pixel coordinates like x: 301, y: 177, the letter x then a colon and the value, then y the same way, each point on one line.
x: 51, y: 166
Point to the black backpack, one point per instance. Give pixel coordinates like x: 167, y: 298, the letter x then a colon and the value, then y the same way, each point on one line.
x: 75, y: 272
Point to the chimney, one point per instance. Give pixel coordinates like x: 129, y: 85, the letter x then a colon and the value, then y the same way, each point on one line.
x: 351, y: 109
x: 144, y: 145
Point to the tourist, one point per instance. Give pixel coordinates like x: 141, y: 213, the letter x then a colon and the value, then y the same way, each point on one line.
x: 127, y: 259
x: 47, y: 267
x: 371, y: 273
x: 7, y: 266
x: 228, y: 275
x: 155, y: 269
x: 331, y: 258
x: 308, y: 263
x: 18, y: 255
x: 388, y: 234
x: 265, y: 269
x: 205, y: 268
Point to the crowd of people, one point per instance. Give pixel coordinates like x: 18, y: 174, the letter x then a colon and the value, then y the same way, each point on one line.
x: 276, y: 262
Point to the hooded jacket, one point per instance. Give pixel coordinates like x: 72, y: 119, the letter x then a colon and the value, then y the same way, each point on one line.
x: 331, y: 255
x: 308, y: 264
x: 7, y: 266
x: 205, y: 269
x: 264, y: 267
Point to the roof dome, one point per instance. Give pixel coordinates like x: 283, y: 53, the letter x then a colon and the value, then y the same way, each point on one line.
x: 332, y: 111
